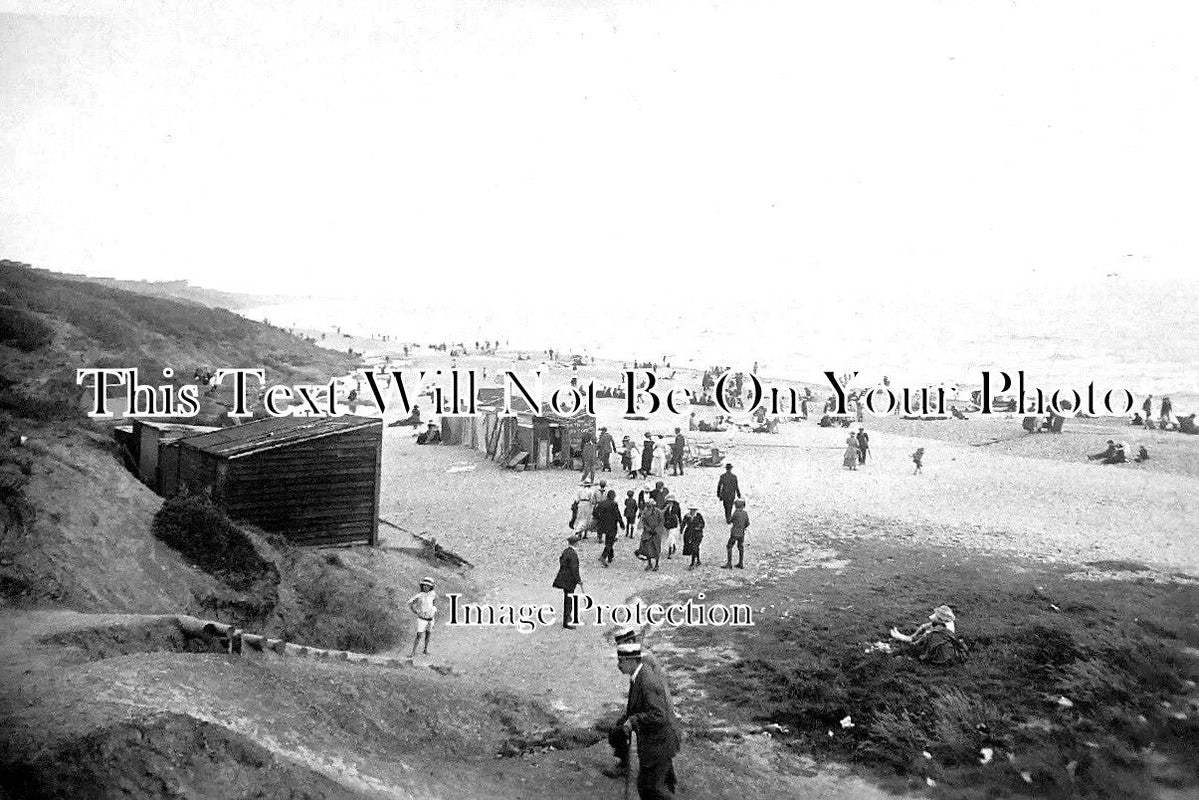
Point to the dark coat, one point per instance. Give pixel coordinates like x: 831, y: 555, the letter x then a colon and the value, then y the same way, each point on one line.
x: 693, y: 533
x: 647, y: 456
x: 568, y: 577
x: 607, y: 517
x: 863, y: 440
x: 606, y: 444
x: 649, y: 708
x: 727, y: 488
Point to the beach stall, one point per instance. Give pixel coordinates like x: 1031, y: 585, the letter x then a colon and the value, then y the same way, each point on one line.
x: 551, y: 439
x: 315, y: 480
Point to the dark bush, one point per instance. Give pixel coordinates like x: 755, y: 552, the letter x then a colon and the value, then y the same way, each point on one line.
x: 201, y: 531
x: 23, y: 330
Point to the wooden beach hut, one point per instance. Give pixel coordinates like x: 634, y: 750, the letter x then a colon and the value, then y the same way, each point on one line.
x: 314, y: 480
x: 150, y: 438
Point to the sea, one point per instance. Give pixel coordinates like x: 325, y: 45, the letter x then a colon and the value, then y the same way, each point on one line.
x: 1116, y: 335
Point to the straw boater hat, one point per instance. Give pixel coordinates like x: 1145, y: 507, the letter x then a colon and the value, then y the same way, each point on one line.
x: 625, y: 634
x: 628, y: 650
x: 426, y: 582
x: 671, y: 497
x: 942, y: 614
x: 740, y: 501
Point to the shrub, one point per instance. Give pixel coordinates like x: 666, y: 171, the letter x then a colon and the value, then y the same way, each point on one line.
x: 199, y: 530
x: 23, y: 330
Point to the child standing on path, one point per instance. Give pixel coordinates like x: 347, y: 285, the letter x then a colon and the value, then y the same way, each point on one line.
x: 918, y: 458
x: 423, y: 607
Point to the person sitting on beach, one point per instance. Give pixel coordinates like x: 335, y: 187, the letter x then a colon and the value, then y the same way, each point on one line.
x: 1111, y: 449
x: 1118, y: 456
x: 432, y: 435
x: 936, y: 641
x: 412, y: 419
x: 1142, y: 454
x: 1187, y: 424
x: 713, y: 459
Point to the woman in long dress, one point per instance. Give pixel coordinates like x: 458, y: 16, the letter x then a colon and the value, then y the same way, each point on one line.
x: 850, y: 461
x: 660, y: 456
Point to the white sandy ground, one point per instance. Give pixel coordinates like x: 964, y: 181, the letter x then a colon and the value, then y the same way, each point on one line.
x: 512, y: 526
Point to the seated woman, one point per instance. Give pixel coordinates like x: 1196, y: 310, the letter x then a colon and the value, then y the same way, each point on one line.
x: 1187, y: 424
x: 936, y: 641
x: 431, y: 436
x: 1118, y: 456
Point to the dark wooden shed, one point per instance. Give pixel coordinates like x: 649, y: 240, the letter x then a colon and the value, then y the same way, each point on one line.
x: 313, y: 479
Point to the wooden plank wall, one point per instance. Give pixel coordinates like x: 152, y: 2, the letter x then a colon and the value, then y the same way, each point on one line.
x: 323, y: 491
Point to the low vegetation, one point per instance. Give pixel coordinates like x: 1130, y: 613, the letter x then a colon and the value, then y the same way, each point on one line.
x: 299, y: 594
x: 1072, y: 689
x: 50, y: 326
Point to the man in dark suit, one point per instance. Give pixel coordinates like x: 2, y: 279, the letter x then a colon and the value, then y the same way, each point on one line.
x: 568, y: 578
x: 650, y: 714
x: 607, y: 520
x: 727, y: 491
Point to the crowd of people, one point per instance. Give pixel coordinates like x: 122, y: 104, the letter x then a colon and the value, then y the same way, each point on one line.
x: 654, y: 517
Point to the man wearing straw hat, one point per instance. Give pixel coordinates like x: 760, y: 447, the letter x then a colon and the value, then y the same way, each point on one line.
x: 649, y: 713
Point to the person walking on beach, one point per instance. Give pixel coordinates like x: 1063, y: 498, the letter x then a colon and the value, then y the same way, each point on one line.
x: 581, y: 521
x: 863, y: 445
x: 739, y: 521
x: 727, y: 491
x: 649, y: 712
x: 618, y: 737
x: 607, y: 446
x: 918, y: 460
x: 850, y: 459
x: 660, y: 455
x: 1166, y: 407
x: 630, y: 514
x: 652, y: 533
x: 568, y: 578
x: 676, y: 451
x: 422, y: 605
x: 607, y: 521
x: 626, y: 457
x: 1148, y: 409
x: 672, y: 517
x: 588, y: 459
x: 693, y: 535
x: 647, y: 455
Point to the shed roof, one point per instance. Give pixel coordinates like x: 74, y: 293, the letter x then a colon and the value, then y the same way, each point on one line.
x: 267, y: 434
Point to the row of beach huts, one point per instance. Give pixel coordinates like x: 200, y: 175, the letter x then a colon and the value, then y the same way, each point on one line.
x: 316, y: 480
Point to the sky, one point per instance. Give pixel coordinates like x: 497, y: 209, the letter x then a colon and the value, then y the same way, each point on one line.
x: 761, y: 149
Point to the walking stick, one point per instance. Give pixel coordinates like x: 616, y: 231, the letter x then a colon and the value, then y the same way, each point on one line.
x: 628, y: 773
